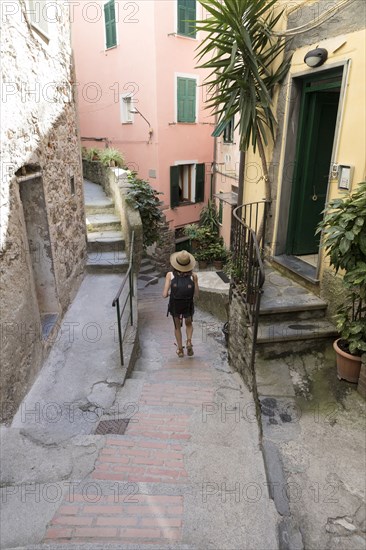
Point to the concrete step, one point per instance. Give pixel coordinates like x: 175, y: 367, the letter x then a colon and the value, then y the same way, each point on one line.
x: 288, y: 331
x: 106, y: 261
x: 100, y: 241
x: 145, y: 280
x: 103, y: 222
x: 279, y: 338
x: 106, y: 546
x: 101, y: 206
x: 146, y: 269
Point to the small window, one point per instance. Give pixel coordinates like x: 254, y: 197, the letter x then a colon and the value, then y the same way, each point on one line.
x: 229, y: 131
x: 186, y: 18
x: 38, y: 16
x: 125, y: 109
x: 110, y: 24
x: 186, y: 184
x: 186, y: 99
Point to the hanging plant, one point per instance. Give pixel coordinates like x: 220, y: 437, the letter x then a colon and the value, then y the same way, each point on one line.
x: 145, y: 199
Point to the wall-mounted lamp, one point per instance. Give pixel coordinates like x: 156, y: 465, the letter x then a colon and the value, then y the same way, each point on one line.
x: 137, y: 112
x: 316, y: 57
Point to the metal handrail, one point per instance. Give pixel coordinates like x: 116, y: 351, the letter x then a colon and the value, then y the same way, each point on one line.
x: 248, y: 252
x: 129, y: 297
x: 249, y: 228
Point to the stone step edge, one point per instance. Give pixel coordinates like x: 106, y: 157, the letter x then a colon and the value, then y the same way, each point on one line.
x: 318, y: 331
x: 298, y: 308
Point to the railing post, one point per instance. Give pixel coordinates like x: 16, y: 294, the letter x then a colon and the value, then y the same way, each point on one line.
x: 131, y: 295
x: 120, y: 332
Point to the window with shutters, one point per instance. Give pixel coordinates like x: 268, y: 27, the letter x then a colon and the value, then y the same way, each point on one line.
x: 110, y: 24
x: 229, y: 131
x: 186, y: 18
x: 186, y: 99
x: 187, y: 182
x: 125, y: 109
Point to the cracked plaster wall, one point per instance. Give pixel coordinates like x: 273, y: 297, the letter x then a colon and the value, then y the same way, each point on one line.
x: 39, y: 128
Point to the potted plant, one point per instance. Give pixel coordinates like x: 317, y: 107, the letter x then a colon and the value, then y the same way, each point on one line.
x: 218, y: 254
x: 111, y: 157
x: 92, y: 153
x: 191, y: 231
x: 202, y: 256
x: 344, y: 227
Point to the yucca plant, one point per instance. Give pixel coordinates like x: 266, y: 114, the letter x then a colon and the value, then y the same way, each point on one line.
x: 240, y: 48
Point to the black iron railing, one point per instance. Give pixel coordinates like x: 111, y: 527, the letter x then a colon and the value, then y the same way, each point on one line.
x: 128, y: 298
x: 248, y: 231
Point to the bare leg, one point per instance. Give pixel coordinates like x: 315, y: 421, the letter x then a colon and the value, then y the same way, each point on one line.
x: 178, y: 333
x: 189, y: 331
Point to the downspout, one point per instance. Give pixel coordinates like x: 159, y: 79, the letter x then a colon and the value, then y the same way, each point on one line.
x: 241, y: 178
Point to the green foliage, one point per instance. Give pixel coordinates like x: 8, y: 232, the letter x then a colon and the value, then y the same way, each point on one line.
x: 111, y: 157
x: 344, y: 230
x: 218, y: 251
x: 241, y: 50
x: 209, y: 217
x: 145, y: 199
x: 190, y: 230
x: 91, y: 154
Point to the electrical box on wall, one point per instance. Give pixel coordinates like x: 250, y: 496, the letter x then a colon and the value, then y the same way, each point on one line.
x: 345, y: 175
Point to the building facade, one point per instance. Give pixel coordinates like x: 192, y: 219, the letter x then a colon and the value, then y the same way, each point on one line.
x: 140, y: 92
x: 319, y: 149
x: 43, y: 242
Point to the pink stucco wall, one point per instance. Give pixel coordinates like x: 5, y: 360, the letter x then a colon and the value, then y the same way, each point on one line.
x: 146, y: 60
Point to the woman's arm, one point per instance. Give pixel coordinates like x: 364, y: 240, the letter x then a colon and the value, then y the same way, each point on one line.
x: 196, y: 289
x: 168, y: 279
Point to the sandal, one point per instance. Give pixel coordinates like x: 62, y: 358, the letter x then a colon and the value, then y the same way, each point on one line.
x: 180, y: 352
x: 189, y: 348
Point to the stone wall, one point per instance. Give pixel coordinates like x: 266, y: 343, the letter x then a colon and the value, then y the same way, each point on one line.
x: 43, y: 236
x: 361, y: 388
x: 239, y: 346
x: 163, y: 249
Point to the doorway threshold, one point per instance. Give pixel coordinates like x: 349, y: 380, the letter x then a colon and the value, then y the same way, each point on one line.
x: 298, y: 266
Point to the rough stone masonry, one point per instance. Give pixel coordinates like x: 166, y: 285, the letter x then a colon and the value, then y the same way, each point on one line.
x: 43, y: 243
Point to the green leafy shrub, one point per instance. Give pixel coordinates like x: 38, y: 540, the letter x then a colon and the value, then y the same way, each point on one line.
x: 344, y: 227
x: 145, y: 199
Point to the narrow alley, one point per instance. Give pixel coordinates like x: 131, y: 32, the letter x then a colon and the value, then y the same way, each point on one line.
x: 187, y: 473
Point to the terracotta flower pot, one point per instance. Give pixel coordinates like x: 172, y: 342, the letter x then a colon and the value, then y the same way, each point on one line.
x: 218, y: 264
x: 348, y: 366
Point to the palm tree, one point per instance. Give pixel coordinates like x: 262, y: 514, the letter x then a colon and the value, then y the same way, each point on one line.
x: 240, y: 48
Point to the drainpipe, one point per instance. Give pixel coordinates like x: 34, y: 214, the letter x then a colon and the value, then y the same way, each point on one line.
x: 241, y: 178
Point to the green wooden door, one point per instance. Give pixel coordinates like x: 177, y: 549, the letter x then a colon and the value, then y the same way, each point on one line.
x: 310, y: 184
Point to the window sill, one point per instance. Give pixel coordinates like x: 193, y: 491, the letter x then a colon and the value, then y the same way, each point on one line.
x: 185, y: 203
x: 111, y: 48
x: 180, y: 122
x: 178, y: 35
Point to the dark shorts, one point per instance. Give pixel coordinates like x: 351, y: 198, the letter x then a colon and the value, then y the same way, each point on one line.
x: 181, y: 308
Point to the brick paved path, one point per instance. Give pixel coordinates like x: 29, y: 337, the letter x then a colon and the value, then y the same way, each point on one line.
x: 177, y: 475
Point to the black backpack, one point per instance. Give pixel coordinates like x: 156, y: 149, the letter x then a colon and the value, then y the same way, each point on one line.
x: 182, y: 288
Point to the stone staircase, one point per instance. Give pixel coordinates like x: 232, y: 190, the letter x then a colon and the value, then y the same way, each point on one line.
x: 292, y: 319
x: 106, y: 243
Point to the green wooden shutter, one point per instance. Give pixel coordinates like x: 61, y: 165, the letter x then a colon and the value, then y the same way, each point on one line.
x: 174, y: 186
x: 186, y: 100
x: 110, y: 24
x: 200, y: 183
x: 191, y: 16
x: 186, y: 17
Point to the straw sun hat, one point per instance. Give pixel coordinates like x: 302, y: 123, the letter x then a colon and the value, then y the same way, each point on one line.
x: 182, y: 261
